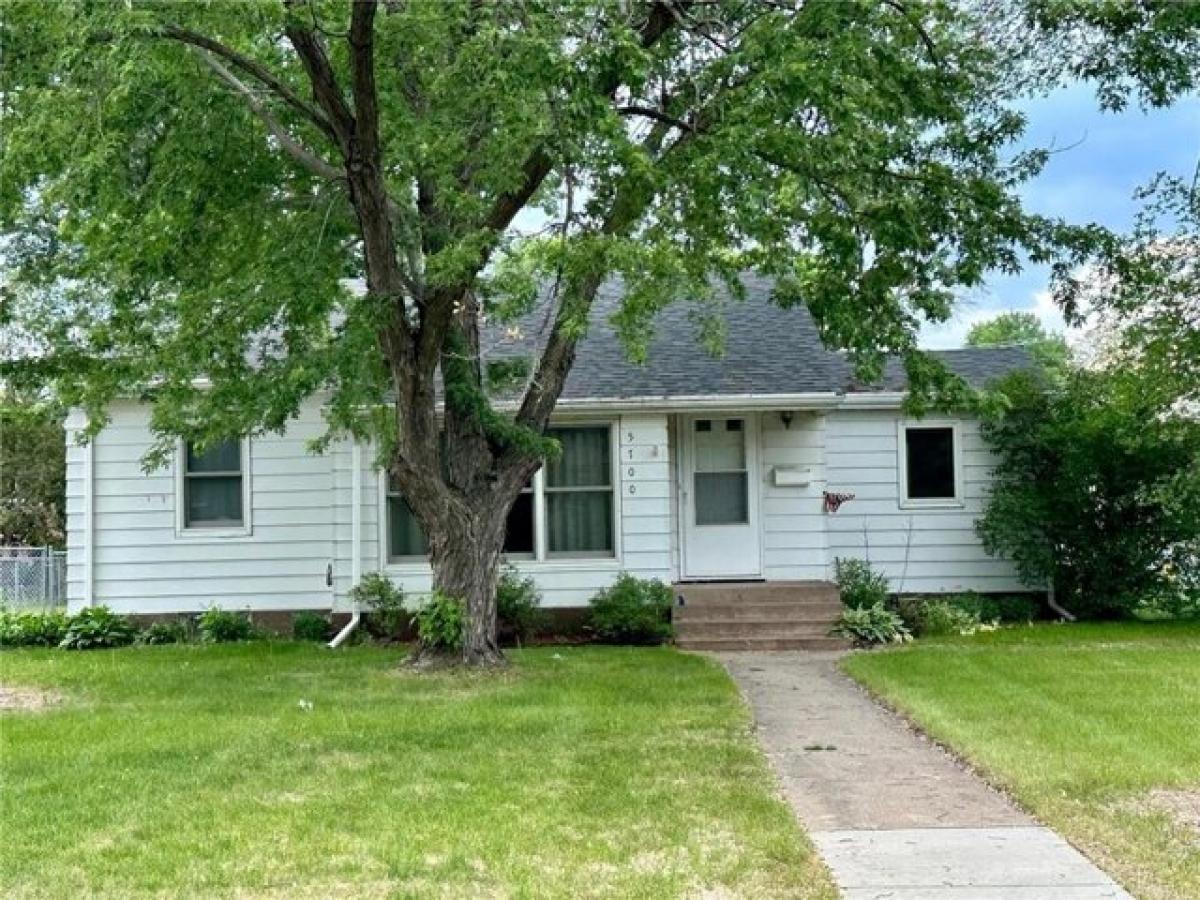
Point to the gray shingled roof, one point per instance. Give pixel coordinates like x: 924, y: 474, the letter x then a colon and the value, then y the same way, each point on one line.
x: 768, y: 350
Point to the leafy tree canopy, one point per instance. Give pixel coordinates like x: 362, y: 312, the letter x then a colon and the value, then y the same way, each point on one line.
x: 188, y: 188
x: 33, y: 453
x: 176, y: 178
x: 1142, y: 294
x: 1023, y: 329
x: 1097, y: 493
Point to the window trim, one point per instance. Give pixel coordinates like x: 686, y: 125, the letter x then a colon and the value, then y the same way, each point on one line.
x: 903, y: 426
x: 222, y: 532
x: 541, y: 558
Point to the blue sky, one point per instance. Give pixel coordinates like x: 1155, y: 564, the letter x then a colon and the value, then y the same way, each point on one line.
x: 1103, y: 159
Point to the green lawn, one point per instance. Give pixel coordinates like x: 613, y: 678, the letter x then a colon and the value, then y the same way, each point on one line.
x: 1094, y: 728
x: 580, y: 772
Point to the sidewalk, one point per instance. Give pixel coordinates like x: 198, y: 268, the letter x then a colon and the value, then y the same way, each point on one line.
x: 893, y: 815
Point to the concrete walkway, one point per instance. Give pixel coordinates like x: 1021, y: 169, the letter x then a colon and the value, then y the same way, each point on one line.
x: 894, y: 816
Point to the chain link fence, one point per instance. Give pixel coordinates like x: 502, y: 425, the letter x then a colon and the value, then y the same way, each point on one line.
x: 33, y: 577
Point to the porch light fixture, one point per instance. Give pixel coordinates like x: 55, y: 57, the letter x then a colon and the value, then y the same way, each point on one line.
x: 785, y: 416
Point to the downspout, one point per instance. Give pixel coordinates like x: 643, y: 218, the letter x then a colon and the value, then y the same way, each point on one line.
x: 89, y: 522
x: 355, y: 543
x: 1053, y: 604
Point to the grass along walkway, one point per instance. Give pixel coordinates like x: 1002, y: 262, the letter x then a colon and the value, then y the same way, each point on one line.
x: 1094, y: 728
x: 287, y: 770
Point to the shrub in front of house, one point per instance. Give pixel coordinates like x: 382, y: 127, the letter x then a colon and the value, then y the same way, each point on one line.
x: 96, y: 628
x: 384, y: 603
x: 224, y: 626
x: 518, y: 605
x: 31, y: 629
x: 632, y: 611
x: 939, y: 617
x: 441, y: 623
x: 310, y: 626
x: 870, y: 626
x: 1006, y: 609
x: 170, y: 632
x: 860, y: 586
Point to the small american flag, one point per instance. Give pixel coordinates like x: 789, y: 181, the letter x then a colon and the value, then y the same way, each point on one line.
x: 833, y: 502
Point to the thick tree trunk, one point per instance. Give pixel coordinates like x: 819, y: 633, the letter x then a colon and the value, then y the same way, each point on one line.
x: 466, y: 562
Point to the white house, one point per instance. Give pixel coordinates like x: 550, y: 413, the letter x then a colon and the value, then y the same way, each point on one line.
x: 692, y: 468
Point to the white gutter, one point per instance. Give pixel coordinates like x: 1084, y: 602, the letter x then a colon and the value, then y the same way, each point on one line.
x: 355, y: 541
x: 873, y: 400
x: 814, y: 400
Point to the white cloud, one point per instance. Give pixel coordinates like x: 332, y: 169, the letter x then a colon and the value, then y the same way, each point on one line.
x: 952, y: 334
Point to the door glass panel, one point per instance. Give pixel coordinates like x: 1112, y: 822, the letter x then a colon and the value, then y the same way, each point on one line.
x: 721, y: 482
x: 720, y: 450
x: 721, y: 498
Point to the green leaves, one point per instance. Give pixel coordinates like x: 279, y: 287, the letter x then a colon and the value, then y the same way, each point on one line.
x: 1095, y: 491
x: 180, y: 225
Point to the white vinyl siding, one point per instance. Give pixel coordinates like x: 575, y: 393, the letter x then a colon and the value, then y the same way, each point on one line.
x: 921, y: 549
x: 143, y: 564
x: 794, y: 540
x: 302, y: 507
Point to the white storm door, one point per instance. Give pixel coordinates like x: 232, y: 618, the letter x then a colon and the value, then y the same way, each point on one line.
x: 720, y: 497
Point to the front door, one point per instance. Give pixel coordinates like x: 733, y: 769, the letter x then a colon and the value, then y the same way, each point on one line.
x: 720, y: 497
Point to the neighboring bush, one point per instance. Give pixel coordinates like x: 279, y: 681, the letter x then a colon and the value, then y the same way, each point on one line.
x: 224, y: 626
x: 97, y: 627
x: 310, y: 626
x: 871, y: 625
x: 172, y: 632
x: 860, y: 586
x: 1015, y: 608
x: 633, y: 611
x: 518, y: 604
x: 384, y: 600
x: 936, y: 617
x: 1096, y: 490
x: 441, y: 623
x: 31, y: 629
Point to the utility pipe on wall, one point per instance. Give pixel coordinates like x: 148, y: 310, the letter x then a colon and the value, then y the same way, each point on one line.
x: 355, y: 542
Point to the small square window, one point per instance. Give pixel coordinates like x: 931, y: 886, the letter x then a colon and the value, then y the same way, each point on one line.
x: 213, y: 485
x: 733, y: 424
x: 929, y: 454
x: 704, y: 424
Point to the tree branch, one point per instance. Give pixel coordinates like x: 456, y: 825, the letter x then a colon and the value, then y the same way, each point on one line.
x: 362, y: 80
x: 324, y: 84
x: 251, y: 67
x: 291, y: 146
x: 664, y: 15
x: 930, y: 46
x: 657, y: 114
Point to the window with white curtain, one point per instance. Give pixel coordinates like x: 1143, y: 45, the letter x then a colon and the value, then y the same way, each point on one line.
x: 569, y: 503
x: 213, y: 489
x: 579, y: 493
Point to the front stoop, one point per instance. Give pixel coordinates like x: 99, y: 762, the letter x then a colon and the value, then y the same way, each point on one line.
x: 775, y: 615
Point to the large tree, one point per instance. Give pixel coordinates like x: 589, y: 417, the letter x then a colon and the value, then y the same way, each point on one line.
x: 33, y: 472
x: 1023, y: 329
x: 189, y: 189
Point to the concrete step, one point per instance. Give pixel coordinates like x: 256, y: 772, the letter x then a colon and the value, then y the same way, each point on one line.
x: 687, y: 631
x: 765, y: 644
x: 808, y: 610
x: 758, y: 592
